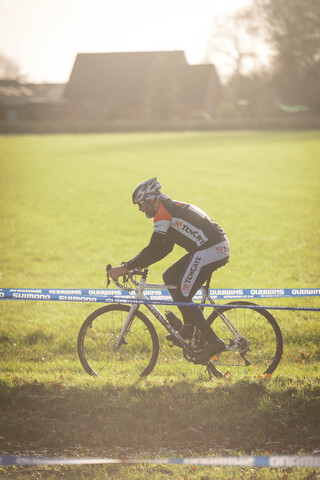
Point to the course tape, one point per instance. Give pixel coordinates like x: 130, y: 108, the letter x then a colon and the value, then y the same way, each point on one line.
x: 122, y: 296
x: 282, y: 461
x: 163, y: 294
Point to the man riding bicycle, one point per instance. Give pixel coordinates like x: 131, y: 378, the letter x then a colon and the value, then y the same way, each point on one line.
x: 183, y: 224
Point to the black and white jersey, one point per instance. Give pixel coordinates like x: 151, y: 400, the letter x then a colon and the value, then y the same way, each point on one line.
x: 178, y: 223
x: 187, y: 225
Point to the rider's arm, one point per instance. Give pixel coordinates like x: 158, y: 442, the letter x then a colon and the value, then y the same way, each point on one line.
x: 159, y: 246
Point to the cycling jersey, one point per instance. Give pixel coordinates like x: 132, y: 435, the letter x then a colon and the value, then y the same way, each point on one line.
x: 178, y: 223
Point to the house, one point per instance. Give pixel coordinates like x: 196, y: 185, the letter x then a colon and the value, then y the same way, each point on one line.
x: 130, y: 86
x: 14, y: 98
x: 126, y: 84
x: 201, y: 90
x: 30, y: 102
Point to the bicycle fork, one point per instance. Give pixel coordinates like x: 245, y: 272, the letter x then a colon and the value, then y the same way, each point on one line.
x: 121, y: 340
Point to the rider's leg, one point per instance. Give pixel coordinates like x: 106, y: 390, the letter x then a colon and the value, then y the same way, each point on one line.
x: 194, y: 315
x: 172, y: 277
x: 189, y: 274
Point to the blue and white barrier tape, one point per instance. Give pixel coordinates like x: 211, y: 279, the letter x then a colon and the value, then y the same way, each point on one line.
x: 163, y: 294
x: 122, y: 296
x: 282, y: 461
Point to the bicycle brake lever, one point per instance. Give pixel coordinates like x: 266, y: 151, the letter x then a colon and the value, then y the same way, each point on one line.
x: 137, y: 271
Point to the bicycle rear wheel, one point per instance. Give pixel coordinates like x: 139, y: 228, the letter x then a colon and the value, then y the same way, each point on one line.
x: 137, y: 355
x: 263, y: 345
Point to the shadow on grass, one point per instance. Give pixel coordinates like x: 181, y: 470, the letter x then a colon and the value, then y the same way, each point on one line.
x: 241, y: 416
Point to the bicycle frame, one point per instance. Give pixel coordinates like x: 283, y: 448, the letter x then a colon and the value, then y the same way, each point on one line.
x: 139, y: 295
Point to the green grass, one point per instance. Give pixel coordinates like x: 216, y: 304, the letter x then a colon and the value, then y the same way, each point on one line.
x: 66, y: 212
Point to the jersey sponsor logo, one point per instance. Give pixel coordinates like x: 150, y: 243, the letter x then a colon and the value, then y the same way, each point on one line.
x: 194, y: 234
x: 177, y: 224
x: 191, y: 275
x: 221, y: 249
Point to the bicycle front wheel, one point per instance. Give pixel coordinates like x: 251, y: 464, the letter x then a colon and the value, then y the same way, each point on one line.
x: 98, y: 354
x: 262, y: 343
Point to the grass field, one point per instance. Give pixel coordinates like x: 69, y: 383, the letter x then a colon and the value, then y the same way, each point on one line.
x: 66, y: 212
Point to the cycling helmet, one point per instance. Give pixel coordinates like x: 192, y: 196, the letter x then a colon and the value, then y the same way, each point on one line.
x: 145, y: 189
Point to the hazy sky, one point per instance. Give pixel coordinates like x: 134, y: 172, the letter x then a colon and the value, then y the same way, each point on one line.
x: 44, y: 36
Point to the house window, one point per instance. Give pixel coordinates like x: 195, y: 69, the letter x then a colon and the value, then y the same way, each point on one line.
x: 12, y: 115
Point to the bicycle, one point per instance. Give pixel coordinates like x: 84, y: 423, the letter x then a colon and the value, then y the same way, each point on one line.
x: 121, y: 338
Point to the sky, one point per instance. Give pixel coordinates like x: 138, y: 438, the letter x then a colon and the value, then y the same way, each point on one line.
x: 44, y: 36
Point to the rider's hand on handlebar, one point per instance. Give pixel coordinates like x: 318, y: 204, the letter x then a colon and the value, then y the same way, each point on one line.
x: 116, y: 272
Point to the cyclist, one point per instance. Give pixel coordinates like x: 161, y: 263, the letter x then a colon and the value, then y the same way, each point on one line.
x: 183, y: 224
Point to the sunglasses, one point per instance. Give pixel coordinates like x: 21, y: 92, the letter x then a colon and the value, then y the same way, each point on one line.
x: 144, y: 201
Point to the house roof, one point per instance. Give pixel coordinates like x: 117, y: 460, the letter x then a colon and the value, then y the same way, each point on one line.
x: 12, y: 93
x: 15, y: 94
x: 51, y: 92
x: 121, y: 77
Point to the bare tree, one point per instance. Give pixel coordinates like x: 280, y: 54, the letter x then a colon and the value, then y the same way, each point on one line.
x: 288, y: 72
x: 236, y: 43
x: 293, y: 30
x: 9, y: 70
